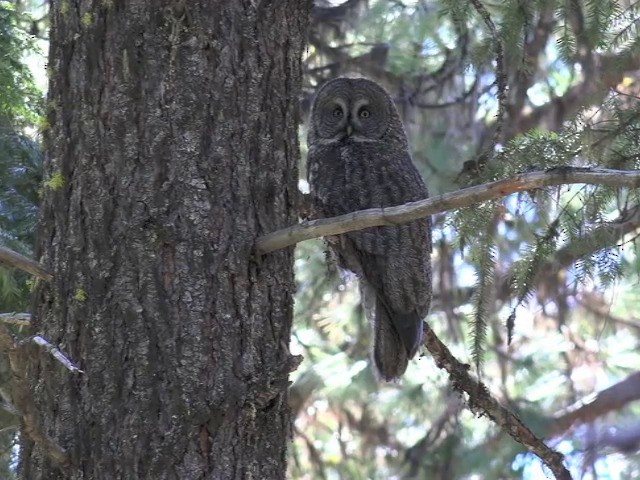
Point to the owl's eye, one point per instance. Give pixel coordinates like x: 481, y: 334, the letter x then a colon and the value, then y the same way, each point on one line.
x: 364, y: 113
x: 337, y: 112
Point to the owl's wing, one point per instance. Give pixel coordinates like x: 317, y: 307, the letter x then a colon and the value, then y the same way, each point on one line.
x: 396, y: 261
x: 401, y: 271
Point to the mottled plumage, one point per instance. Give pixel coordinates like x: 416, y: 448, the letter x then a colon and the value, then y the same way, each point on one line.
x: 359, y: 158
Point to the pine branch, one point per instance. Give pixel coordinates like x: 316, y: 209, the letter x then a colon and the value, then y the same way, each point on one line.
x: 483, y: 403
x: 607, y: 235
x: 390, y: 216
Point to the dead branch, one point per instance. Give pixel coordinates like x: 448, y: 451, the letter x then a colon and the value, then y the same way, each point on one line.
x: 20, y: 319
x: 55, y: 353
x: 390, y: 216
x: 14, y: 259
x: 482, y: 402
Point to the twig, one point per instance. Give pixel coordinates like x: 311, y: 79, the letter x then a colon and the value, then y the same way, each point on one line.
x: 390, y: 216
x: 23, y: 399
x: 55, y: 353
x: 14, y: 259
x: 481, y: 401
x: 21, y: 319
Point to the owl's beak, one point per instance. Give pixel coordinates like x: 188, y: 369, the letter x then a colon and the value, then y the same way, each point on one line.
x: 349, y: 130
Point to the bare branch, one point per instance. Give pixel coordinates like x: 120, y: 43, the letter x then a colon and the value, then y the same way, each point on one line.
x: 390, y: 216
x: 21, y: 319
x: 482, y: 402
x: 14, y: 259
x: 55, y: 353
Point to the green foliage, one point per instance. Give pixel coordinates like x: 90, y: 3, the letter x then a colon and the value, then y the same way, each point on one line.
x: 19, y: 98
x: 21, y: 160
x: 20, y: 156
x: 483, y: 258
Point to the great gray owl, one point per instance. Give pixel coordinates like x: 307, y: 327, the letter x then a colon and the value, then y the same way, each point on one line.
x: 359, y: 158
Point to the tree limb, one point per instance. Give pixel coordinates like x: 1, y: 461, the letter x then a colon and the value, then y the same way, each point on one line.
x: 390, y: 216
x: 20, y: 319
x: 483, y: 403
x: 55, y: 353
x: 23, y: 263
x: 587, y: 409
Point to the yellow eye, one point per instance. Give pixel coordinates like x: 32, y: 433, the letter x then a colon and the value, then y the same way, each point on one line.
x: 337, y: 112
x: 364, y: 113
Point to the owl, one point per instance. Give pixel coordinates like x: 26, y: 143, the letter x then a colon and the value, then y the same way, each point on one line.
x: 358, y: 158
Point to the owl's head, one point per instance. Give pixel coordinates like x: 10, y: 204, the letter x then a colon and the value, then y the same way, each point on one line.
x: 353, y: 109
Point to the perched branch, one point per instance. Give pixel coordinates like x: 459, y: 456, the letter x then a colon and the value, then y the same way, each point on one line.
x: 20, y: 319
x: 23, y: 400
x: 482, y: 402
x: 390, y: 216
x: 23, y: 263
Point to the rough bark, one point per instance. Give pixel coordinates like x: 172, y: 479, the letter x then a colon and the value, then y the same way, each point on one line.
x: 174, y: 128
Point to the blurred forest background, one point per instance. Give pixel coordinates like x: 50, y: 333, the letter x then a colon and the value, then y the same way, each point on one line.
x: 560, y: 265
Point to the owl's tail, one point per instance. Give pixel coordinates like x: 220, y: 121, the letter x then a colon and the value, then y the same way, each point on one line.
x: 397, y: 337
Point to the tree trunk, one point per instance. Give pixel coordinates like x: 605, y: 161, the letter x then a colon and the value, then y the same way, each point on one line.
x: 172, y: 146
